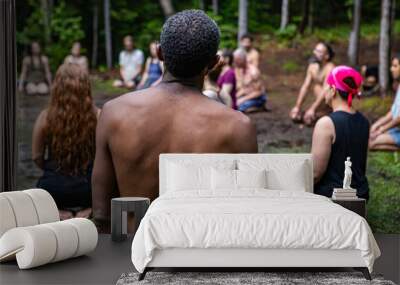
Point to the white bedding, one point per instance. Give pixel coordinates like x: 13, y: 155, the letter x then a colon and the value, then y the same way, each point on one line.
x: 252, y: 218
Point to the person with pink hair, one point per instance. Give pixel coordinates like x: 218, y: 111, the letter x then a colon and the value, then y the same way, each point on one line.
x: 341, y: 134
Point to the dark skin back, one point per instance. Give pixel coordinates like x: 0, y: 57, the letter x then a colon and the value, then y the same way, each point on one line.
x: 172, y: 117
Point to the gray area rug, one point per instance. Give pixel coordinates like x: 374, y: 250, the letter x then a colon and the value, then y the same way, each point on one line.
x: 232, y: 278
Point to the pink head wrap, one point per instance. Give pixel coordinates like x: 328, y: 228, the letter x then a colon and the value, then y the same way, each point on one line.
x: 335, y: 78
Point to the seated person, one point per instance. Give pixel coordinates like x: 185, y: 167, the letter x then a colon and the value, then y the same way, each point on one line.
x: 211, y: 88
x: 250, y: 94
x: 371, y: 79
x: 63, y: 142
x: 76, y: 58
x: 130, y: 65
x: 341, y: 134
x: 171, y: 117
x: 227, y: 80
x: 35, y: 73
x: 318, y: 69
x: 153, y: 69
x: 253, y: 56
x: 385, y: 133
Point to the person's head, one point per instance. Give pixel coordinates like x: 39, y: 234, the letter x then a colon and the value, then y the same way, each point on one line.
x: 344, y: 84
x: 227, y: 57
x: 239, y: 58
x: 189, y: 43
x: 71, y: 119
x: 246, y: 42
x: 35, y: 48
x: 76, y: 49
x: 153, y: 49
x: 395, y: 67
x: 129, y: 43
x: 323, y: 52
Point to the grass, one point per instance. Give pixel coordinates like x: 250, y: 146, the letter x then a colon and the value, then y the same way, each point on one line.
x: 105, y: 87
x: 383, y: 175
x: 384, y: 204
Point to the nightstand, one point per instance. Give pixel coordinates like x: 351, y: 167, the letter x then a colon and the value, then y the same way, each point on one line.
x: 119, y: 209
x: 355, y: 205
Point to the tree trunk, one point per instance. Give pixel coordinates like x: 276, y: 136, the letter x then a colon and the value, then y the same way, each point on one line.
x: 215, y: 6
x: 46, y: 19
x: 166, y: 6
x: 284, y: 14
x: 201, y: 4
x: 311, y: 17
x: 95, y: 31
x: 242, y: 23
x: 304, y: 20
x: 107, y: 30
x: 384, y: 46
x: 354, y: 40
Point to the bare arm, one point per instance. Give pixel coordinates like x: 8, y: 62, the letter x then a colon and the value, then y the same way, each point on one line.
x: 225, y: 94
x: 38, y: 139
x: 104, y: 184
x: 391, y: 124
x: 382, y: 121
x: 145, y: 73
x: 24, y: 70
x: 47, y: 69
x: 322, y: 140
x: 304, y: 88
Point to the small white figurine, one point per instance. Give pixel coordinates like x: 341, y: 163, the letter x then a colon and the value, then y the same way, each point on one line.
x: 347, y: 174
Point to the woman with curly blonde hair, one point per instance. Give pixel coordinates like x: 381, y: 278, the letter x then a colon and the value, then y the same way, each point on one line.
x: 63, y: 142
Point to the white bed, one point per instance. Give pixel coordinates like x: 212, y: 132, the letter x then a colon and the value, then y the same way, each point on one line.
x: 193, y: 224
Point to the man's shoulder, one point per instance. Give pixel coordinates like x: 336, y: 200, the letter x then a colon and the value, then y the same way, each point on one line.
x: 139, y: 52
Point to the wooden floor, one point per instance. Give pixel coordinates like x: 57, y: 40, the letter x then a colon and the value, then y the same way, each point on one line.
x: 110, y: 260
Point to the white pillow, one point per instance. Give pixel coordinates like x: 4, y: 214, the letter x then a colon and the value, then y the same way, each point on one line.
x: 185, y: 175
x: 295, y: 180
x: 281, y: 174
x: 251, y: 178
x: 237, y: 179
x: 223, y: 179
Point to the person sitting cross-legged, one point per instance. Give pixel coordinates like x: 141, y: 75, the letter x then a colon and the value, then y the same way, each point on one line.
x: 131, y: 64
x: 35, y: 73
x: 63, y: 142
x: 250, y: 94
x: 153, y: 69
x: 341, y: 134
x: 385, y: 132
x: 317, y: 71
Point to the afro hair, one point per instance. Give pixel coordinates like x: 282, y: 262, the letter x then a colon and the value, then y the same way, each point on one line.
x: 189, y: 41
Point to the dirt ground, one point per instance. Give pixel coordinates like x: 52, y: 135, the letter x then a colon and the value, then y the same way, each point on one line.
x: 275, y: 131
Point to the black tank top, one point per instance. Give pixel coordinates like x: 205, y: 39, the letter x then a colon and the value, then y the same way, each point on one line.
x: 352, y: 134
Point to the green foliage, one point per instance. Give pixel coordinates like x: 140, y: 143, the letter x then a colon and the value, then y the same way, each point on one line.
x: 65, y: 28
x: 384, y: 204
x: 290, y: 66
x: 287, y: 34
x: 33, y: 29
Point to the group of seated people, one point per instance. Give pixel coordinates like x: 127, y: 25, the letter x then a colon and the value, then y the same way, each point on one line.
x: 89, y: 157
x: 131, y: 61
x: 35, y: 76
x: 236, y: 79
x: 384, y: 133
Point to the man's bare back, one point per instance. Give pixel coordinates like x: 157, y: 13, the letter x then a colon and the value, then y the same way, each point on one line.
x: 136, y: 128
